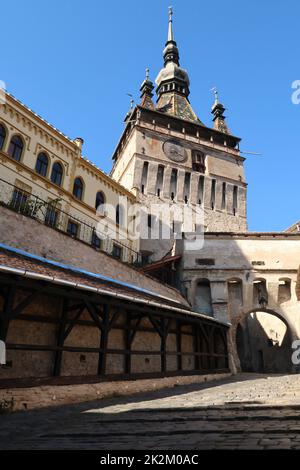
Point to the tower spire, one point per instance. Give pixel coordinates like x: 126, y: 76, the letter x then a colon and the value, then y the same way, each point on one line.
x: 171, y: 53
x: 170, y: 29
x: 173, y: 81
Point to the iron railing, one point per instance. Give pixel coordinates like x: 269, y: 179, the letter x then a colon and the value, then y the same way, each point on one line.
x: 50, y: 214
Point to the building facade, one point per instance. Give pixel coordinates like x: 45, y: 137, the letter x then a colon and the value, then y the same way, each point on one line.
x: 44, y: 173
x: 234, y: 306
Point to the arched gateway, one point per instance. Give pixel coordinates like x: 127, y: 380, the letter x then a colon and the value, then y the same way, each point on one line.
x: 263, y: 341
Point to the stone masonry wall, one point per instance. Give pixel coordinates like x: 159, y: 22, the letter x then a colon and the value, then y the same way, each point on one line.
x: 29, y: 235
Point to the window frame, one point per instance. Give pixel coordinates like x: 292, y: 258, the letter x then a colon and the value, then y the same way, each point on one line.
x: 96, y: 241
x: 72, y: 234
x: 42, y: 163
x: 5, y: 135
x: 77, y: 187
x: 97, y: 206
x: 120, y: 215
x: 62, y: 174
x: 16, y: 146
x: 117, y: 249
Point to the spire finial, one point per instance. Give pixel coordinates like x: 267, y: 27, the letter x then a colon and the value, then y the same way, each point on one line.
x: 147, y: 73
x: 170, y: 29
x: 216, y: 93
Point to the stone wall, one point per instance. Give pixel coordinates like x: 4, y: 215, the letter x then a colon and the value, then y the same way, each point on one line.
x: 145, y: 143
x: 29, y: 235
x: 234, y: 265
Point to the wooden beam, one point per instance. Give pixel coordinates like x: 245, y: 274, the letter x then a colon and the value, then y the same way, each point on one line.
x: 211, y: 346
x: 60, y: 338
x: 100, y: 299
x: 94, y: 314
x: 114, y: 318
x: 72, y: 322
x: 103, y: 341
x: 163, y: 348
x: 156, y: 324
x: 128, y: 342
x: 7, y: 311
x: 200, y: 348
x: 178, y: 345
x: 196, y: 347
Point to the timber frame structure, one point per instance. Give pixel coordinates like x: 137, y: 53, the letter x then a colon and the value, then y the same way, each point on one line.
x: 182, y: 342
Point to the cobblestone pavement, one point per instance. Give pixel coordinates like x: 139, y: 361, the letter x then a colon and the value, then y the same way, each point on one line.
x: 248, y: 411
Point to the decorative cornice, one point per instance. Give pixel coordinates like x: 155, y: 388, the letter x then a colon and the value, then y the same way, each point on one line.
x: 42, y: 121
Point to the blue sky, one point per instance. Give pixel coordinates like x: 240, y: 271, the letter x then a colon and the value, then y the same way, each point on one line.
x: 73, y: 62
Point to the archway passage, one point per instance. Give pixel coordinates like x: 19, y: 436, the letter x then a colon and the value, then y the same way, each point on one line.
x: 263, y: 343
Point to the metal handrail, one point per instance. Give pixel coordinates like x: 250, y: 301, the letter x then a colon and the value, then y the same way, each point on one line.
x: 49, y: 213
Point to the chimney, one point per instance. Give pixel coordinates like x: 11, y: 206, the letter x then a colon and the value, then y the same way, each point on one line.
x: 79, y: 142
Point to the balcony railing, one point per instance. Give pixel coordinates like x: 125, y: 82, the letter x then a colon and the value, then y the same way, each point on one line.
x: 50, y: 214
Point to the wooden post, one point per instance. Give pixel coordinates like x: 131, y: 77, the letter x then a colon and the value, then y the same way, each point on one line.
x: 128, y: 341
x: 200, y: 348
x: 196, y: 347
x: 60, y: 338
x: 104, y: 341
x: 178, y: 341
x: 7, y: 312
x: 163, y: 347
x: 211, y: 346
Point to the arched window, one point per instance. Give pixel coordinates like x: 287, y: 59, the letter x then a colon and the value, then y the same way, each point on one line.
x: 2, y: 136
x: 213, y: 194
x: 159, y: 180
x: 15, y: 148
x: 200, y: 190
x: 119, y: 215
x: 56, y: 174
x: 187, y: 184
x: 144, y: 177
x: 78, y: 188
x: 100, y: 200
x: 235, y: 200
x: 173, y: 183
x: 41, y: 165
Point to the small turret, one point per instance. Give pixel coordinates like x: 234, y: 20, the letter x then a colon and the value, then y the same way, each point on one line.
x: 146, y: 92
x: 218, y: 113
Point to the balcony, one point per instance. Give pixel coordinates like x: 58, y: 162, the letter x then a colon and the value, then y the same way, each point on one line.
x: 50, y: 214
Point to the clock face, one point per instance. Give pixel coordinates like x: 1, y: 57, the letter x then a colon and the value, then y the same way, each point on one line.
x: 174, y: 151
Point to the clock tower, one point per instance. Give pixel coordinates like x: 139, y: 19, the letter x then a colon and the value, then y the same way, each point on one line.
x: 167, y: 156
